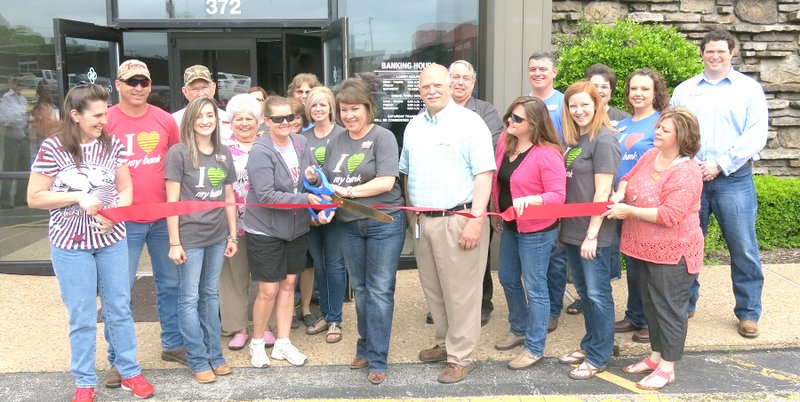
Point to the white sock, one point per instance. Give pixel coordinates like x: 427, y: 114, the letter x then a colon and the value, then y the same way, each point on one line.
x: 282, y: 341
x: 256, y: 341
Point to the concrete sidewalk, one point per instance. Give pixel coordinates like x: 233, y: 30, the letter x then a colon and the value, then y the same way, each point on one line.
x: 33, y: 325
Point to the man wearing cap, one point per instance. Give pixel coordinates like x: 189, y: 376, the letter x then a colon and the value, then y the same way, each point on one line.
x: 15, y: 128
x: 197, y: 83
x: 147, y: 133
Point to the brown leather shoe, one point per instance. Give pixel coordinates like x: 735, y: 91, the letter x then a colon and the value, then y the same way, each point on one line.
x: 624, y: 325
x: 205, y: 377
x: 748, y: 329
x: 552, y: 323
x: 113, y: 378
x: 523, y: 360
x: 433, y: 355
x: 454, y: 372
x: 359, y: 363
x: 177, y: 356
x: 224, y: 369
x: 641, y: 336
x: 509, y: 342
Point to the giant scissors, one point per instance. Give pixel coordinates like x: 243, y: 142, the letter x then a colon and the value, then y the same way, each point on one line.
x: 324, y: 188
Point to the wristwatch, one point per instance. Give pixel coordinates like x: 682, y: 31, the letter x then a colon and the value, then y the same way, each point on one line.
x: 349, y: 191
x: 591, y: 235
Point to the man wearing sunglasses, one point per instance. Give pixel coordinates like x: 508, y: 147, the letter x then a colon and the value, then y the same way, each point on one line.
x: 147, y: 132
x: 197, y: 83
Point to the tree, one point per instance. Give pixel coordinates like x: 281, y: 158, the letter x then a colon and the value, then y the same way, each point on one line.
x: 625, y: 47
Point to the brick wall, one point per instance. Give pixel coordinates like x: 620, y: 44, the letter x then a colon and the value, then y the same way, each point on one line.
x: 768, y: 36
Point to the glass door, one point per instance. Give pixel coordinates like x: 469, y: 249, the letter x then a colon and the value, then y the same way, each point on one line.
x: 335, y: 52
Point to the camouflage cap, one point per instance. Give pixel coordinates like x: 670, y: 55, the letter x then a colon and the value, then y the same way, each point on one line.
x: 196, y: 72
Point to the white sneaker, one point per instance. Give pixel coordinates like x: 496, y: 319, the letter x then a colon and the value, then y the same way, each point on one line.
x: 288, y: 352
x: 258, y: 355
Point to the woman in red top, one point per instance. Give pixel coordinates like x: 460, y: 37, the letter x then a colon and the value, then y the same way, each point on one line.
x: 662, y: 232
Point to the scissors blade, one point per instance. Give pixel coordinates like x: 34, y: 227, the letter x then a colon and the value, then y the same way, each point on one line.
x: 362, y: 210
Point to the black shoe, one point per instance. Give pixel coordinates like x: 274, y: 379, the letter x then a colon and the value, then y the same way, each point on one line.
x: 429, y: 318
x: 485, y: 315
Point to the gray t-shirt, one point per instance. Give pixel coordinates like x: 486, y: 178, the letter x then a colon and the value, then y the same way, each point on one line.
x: 351, y: 162
x: 583, y: 161
x: 319, y: 145
x: 206, y: 183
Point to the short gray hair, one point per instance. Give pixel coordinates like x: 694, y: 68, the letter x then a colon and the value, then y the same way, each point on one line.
x: 465, y: 64
x: 243, y: 103
x: 541, y: 54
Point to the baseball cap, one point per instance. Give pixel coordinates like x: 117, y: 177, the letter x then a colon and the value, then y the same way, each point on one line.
x: 131, y: 68
x: 196, y: 72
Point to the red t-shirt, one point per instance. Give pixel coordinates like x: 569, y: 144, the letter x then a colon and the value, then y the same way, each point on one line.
x: 147, y: 139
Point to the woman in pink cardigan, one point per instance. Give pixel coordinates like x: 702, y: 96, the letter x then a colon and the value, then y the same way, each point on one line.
x: 530, y: 171
x: 661, y: 230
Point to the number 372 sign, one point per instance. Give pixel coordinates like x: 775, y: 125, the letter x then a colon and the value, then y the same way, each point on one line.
x: 223, y: 7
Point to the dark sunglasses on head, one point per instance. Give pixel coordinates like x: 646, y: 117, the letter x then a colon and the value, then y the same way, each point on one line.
x: 133, y: 82
x: 279, y: 119
x: 516, y: 119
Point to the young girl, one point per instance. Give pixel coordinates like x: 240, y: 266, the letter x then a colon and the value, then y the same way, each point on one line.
x: 200, y: 168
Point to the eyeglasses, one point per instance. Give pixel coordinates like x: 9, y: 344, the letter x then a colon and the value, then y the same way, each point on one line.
x: 133, y: 82
x: 280, y: 119
x: 516, y: 119
x: 602, y: 87
x: 260, y: 99
x: 198, y: 90
x: 301, y: 92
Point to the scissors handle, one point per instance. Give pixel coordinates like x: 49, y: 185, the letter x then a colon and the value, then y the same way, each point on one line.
x: 323, y: 188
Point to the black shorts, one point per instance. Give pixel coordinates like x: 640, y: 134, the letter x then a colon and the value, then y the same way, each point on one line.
x: 271, y: 259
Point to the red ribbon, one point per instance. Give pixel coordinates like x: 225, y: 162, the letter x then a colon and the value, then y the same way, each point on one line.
x: 159, y: 210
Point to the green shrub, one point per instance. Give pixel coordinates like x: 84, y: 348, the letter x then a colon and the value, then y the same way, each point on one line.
x: 625, y: 47
x: 778, y: 222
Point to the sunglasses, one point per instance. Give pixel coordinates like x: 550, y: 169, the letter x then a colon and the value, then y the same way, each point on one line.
x: 280, y: 119
x: 133, y: 82
x: 516, y: 119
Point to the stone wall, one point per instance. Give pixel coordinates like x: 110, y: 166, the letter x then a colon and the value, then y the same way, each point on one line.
x: 768, y: 35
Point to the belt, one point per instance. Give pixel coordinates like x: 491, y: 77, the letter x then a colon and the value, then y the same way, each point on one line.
x: 458, y: 208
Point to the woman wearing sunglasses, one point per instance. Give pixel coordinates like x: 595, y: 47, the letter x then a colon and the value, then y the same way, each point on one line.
x: 200, y: 168
x: 276, y: 238
x: 77, y: 172
x: 592, y: 159
x: 323, y: 241
x: 530, y: 171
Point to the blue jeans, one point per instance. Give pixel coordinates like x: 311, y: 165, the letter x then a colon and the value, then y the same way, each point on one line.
x: 198, y: 306
x: 524, y: 258
x: 557, y: 278
x: 634, y: 311
x: 371, y: 253
x: 82, y: 274
x: 324, y: 245
x: 592, y: 279
x: 732, y: 200
x: 165, y: 276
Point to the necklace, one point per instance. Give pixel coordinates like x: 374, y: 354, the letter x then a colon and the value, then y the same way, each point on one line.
x: 516, y: 153
x: 656, y: 173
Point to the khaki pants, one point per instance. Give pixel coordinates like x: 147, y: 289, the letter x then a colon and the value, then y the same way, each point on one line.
x: 234, y: 283
x: 452, y: 279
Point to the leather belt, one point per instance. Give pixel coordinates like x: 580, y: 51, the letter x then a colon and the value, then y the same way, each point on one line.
x: 448, y: 212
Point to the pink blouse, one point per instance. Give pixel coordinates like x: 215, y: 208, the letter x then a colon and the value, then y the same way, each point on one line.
x: 676, y: 193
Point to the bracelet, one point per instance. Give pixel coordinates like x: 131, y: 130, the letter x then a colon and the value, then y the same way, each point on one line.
x: 175, y: 245
x: 637, y: 214
x: 233, y: 239
x: 349, y: 191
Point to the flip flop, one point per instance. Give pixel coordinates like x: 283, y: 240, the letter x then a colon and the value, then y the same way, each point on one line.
x: 320, y: 326
x: 656, y: 380
x: 334, y: 333
x: 586, y: 371
x: 638, y: 368
x: 575, y: 308
x: 574, y: 357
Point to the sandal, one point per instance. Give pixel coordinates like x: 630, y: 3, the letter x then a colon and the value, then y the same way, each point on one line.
x: 656, y: 380
x: 641, y: 367
x: 334, y: 334
x: 575, y: 308
x: 574, y: 357
x: 319, y: 326
x: 586, y: 371
x: 376, y: 377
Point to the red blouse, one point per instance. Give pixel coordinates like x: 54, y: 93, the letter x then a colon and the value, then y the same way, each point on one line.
x: 676, y: 193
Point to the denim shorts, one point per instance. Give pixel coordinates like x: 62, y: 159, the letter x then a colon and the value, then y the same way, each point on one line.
x: 271, y: 259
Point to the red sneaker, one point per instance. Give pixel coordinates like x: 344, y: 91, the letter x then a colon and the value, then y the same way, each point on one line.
x: 139, y: 386
x: 83, y: 395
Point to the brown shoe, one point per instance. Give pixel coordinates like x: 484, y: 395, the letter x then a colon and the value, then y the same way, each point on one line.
x: 509, y: 342
x: 641, y: 336
x: 454, y: 372
x: 624, y: 325
x: 523, y: 360
x: 177, y: 356
x: 376, y: 377
x: 748, y: 329
x: 358, y: 363
x: 224, y: 369
x: 552, y: 323
x: 433, y: 355
x: 205, y: 377
x: 113, y: 378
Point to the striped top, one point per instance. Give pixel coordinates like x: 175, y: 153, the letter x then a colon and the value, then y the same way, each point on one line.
x: 70, y: 228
